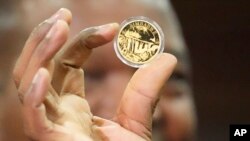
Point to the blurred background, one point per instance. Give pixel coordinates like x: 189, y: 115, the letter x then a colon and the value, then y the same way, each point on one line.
x: 217, y: 33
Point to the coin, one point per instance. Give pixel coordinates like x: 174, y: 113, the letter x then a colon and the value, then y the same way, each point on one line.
x: 139, y: 41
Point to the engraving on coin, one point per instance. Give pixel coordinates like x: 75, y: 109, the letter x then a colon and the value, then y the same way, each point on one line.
x: 138, y: 42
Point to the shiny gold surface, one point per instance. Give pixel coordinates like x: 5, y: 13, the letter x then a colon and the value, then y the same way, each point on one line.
x: 138, y: 42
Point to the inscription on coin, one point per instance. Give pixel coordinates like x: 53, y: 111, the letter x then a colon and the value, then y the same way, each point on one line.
x: 138, y: 42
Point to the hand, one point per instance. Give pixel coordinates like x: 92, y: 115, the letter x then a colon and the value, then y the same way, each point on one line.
x: 50, y: 85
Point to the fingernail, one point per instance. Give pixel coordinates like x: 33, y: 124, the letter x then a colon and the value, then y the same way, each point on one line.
x: 106, y: 28
x: 56, y: 16
x: 37, y: 77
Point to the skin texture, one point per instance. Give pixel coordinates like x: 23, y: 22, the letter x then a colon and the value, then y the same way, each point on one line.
x: 107, y: 80
x: 63, y: 113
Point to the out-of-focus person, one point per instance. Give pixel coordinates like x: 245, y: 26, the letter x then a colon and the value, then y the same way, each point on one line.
x: 106, y: 77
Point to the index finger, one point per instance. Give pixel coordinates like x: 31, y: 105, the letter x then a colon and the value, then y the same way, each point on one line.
x: 75, y: 52
x: 73, y: 55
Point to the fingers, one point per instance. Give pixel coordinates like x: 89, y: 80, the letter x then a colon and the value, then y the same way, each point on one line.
x: 36, y: 123
x: 45, y: 51
x: 34, y: 114
x: 142, y: 93
x: 37, y: 35
x: 76, y: 52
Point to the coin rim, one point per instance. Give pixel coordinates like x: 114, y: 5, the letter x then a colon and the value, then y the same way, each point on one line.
x: 134, y: 19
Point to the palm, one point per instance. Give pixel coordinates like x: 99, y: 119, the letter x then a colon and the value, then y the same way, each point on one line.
x: 71, y: 112
x: 75, y: 119
x: 50, y: 84
x: 72, y: 119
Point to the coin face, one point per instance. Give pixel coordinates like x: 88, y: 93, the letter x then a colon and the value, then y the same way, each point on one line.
x: 139, y: 41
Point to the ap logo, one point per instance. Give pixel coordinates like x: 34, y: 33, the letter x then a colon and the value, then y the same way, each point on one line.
x: 239, y: 132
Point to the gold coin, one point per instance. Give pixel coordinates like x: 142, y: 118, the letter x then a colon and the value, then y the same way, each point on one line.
x: 139, y: 41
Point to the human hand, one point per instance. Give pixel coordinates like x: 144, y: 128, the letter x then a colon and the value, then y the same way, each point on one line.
x: 49, y: 79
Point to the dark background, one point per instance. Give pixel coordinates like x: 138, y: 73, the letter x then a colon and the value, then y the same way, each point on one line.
x: 217, y: 33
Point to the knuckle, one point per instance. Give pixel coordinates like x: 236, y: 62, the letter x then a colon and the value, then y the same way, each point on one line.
x: 140, y: 91
x: 87, y: 37
x: 40, y: 30
x: 16, y: 77
x: 21, y: 92
x: 41, y: 51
